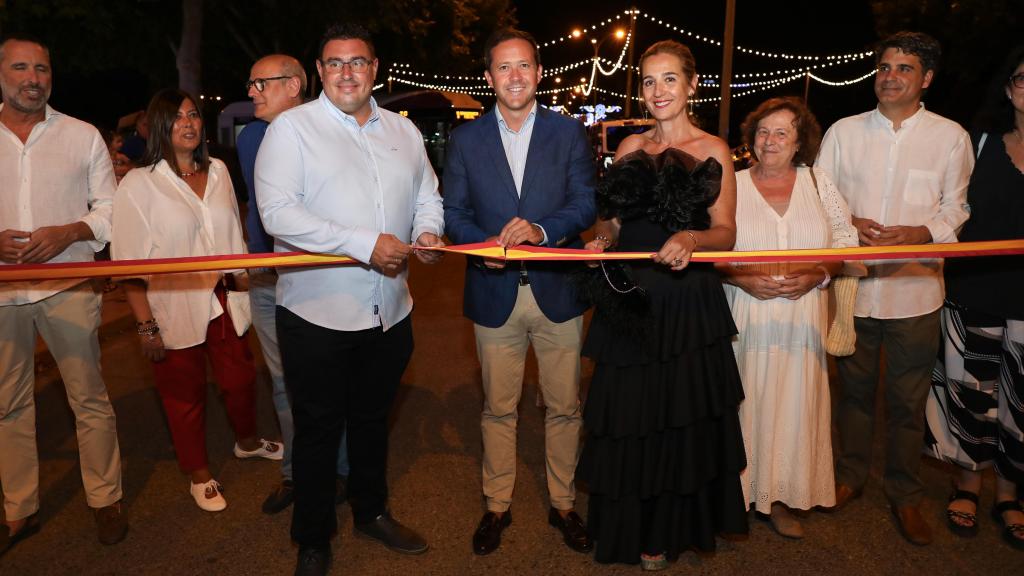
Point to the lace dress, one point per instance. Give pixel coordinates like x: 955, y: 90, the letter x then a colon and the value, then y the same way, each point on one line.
x: 780, y: 351
x: 664, y: 449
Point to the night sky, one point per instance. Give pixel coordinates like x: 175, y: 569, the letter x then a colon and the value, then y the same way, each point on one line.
x: 799, y: 27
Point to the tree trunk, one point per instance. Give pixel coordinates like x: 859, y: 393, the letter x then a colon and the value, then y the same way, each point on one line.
x: 188, y: 57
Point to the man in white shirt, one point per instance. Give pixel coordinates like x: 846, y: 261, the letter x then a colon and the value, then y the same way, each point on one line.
x: 58, y: 184
x: 339, y: 175
x: 904, y: 172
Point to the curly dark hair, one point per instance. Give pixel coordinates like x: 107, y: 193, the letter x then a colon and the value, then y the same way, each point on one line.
x: 807, y: 128
x: 926, y: 48
x: 346, y: 31
x: 162, y: 113
x: 996, y: 114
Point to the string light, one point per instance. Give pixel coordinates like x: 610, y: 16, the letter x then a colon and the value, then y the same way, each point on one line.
x: 706, y: 39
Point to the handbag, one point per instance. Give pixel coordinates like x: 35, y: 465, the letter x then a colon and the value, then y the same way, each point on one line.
x: 239, y: 309
x: 841, y: 339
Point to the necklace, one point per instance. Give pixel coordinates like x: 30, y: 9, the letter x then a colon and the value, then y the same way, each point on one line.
x: 195, y: 170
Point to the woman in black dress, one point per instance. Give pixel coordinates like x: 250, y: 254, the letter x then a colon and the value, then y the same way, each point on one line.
x: 974, y: 413
x: 664, y: 449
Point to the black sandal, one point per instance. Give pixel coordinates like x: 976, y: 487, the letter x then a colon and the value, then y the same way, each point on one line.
x: 1012, y: 533
x: 968, y: 527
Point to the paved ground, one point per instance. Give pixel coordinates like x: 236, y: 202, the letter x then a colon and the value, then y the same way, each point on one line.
x: 434, y: 472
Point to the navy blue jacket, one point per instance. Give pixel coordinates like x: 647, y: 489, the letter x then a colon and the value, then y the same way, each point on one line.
x: 480, y: 198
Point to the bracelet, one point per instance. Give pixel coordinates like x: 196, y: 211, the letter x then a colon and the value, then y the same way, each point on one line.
x: 828, y: 277
x: 694, y: 238
x: 151, y: 330
x: 145, y: 322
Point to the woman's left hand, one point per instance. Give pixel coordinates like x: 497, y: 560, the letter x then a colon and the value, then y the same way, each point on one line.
x: 799, y: 282
x: 675, y: 253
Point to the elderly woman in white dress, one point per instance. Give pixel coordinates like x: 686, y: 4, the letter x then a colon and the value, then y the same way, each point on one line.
x: 179, y: 203
x: 781, y: 311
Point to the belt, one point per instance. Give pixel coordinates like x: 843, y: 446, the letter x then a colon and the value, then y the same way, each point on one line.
x: 524, y: 278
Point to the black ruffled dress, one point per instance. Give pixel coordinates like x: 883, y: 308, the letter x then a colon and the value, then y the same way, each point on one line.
x: 664, y: 449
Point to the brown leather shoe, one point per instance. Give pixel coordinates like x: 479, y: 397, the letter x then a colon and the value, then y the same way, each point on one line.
x: 844, y: 495
x: 912, y: 525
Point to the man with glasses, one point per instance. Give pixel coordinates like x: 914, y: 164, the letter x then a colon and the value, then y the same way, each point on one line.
x: 904, y: 172
x: 341, y: 176
x: 276, y: 83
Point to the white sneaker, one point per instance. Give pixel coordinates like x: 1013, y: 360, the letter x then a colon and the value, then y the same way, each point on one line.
x: 208, y: 496
x: 269, y: 450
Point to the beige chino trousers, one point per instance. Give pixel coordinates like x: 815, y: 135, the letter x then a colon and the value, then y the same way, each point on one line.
x: 502, y: 354
x: 68, y: 322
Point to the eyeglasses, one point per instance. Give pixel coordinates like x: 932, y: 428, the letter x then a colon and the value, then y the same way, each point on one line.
x: 357, y: 64
x: 261, y: 83
x: 1017, y: 80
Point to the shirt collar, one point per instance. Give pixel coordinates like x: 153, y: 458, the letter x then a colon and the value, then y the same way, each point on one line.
x: 348, y: 118
x: 49, y: 112
x: 529, y: 118
x: 907, y: 123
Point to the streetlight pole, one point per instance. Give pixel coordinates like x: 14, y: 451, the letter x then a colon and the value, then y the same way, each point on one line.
x: 629, y: 62
x: 723, y: 110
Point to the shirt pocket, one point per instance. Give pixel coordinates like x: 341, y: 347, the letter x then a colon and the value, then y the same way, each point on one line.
x: 922, y: 189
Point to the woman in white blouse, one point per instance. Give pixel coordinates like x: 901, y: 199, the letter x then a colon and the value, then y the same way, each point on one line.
x: 781, y: 311
x: 180, y: 203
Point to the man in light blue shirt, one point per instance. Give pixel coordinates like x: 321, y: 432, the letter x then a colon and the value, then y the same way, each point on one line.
x: 276, y: 83
x: 522, y: 174
x: 341, y: 176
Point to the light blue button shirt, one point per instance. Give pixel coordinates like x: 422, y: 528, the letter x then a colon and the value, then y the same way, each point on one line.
x: 325, y: 184
x: 517, y: 147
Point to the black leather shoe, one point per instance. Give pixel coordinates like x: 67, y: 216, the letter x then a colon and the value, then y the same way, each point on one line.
x: 487, y: 537
x: 313, y: 561
x: 390, y: 533
x: 281, y: 498
x: 574, y: 532
x: 340, y: 490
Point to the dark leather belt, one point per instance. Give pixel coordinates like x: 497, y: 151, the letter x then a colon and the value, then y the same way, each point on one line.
x: 524, y: 278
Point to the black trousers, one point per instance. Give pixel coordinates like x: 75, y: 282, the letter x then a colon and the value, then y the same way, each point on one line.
x: 338, y: 379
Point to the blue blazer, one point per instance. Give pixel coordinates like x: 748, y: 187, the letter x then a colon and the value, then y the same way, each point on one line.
x: 480, y: 198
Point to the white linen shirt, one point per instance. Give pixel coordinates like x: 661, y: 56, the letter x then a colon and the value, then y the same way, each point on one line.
x: 914, y: 176
x: 61, y: 175
x: 324, y: 184
x: 157, y: 215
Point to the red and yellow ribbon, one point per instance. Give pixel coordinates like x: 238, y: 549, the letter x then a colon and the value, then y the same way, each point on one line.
x: 19, y: 272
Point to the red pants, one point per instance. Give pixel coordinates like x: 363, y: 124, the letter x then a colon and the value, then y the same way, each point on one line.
x: 181, y: 381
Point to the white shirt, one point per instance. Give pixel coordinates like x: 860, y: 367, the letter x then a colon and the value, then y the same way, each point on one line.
x: 325, y: 184
x: 914, y: 176
x: 157, y: 215
x: 61, y: 175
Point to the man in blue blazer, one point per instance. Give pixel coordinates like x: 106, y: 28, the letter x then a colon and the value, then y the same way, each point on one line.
x: 522, y: 174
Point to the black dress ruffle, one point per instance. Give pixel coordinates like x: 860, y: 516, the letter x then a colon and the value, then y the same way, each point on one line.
x: 664, y: 449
